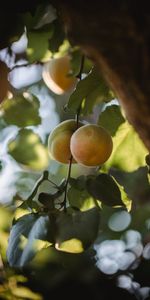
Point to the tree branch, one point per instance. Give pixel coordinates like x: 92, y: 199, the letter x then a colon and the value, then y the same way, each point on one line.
x: 115, y: 35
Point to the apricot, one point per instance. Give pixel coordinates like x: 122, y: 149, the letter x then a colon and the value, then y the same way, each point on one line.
x: 59, y: 141
x: 56, y: 75
x: 91, y: 145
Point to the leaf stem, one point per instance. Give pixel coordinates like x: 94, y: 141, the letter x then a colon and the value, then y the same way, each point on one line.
x: 52, y: 182
x: 37, y: 185
x: 79, y: 76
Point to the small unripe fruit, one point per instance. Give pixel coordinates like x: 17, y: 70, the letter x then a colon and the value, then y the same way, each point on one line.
x: 91, y: 145
x: 59, y: 141
x: 56, y: 75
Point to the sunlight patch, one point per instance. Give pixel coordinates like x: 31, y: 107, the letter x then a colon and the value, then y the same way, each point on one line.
x: 71, y: 246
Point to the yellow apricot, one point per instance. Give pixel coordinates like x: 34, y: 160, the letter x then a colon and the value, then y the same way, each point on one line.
x: 56, y: 75
x: 59, y: 141
x: 91, y: 145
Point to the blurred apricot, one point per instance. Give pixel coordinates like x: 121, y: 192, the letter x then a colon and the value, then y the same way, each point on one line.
x: 57, y: 75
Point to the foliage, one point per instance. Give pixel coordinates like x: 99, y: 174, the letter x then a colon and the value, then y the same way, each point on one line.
x: 60, y: 218
x: 12, y: 111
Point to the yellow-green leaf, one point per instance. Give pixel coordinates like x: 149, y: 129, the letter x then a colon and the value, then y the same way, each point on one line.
x: 28, y: 150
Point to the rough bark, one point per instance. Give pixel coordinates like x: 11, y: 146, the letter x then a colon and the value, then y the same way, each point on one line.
x: 116, y: 35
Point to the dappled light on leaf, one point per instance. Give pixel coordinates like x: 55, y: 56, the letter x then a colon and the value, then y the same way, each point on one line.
x: 75, y: 227
x: 129, y: 151
x: 71, y: 246
x: 135, y: 183
x: 5, y: 223
x: 76, y: 57
x: 11, y: 110
x: 24, y: 238
x: 104, y: 188
x: 13, y: 288
x: 92, y: 89
x: 125, y: 198
x: 80, y: 199
x: 111, y: 118
x: 28, y: 150
x: 20, y: 212
x: 35, y: 38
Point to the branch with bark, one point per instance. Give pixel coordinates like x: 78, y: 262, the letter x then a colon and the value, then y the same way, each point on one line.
x: 116, y: 36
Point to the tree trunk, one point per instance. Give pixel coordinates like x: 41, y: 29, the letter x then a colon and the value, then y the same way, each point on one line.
x: 116, y: 36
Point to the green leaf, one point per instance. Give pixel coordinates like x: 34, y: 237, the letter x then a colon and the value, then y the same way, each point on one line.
x: 76, y: 58
x: 128, y: 150
x: 111, y: 119
x: 38, y: 43
x: 47, y: 199
x: 72, y: 234
x: 140, y: 221
x: 28, y: 150
x: 125, y: 197
x: 78, y: 183
x: 88, y: 65
x: 80, y: 199
x: 78, y: 196
x: 99, y: 95
x: 104, y: 188
x: 92, y: 89
x: 91, y: 100
x: 30, y: 200
x: 135, y: 183
x: 24, y: 183
x: 44, y: 14
x: 21, y: 111
x: 20, y: 249
x: 58, y: 36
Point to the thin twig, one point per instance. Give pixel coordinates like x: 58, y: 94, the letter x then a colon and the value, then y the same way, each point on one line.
x: 67, y: 182
x: 79, y: 76
x: 26, y: 65
x: 77, y: 123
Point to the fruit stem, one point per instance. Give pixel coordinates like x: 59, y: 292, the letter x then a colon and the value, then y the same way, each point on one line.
x: 79, y: 76
x: 67, y: 182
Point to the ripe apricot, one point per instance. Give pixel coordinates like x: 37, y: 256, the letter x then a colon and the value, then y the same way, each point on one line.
x: 56, y: 75
x: 91, y: 145
x: 59, y: 141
